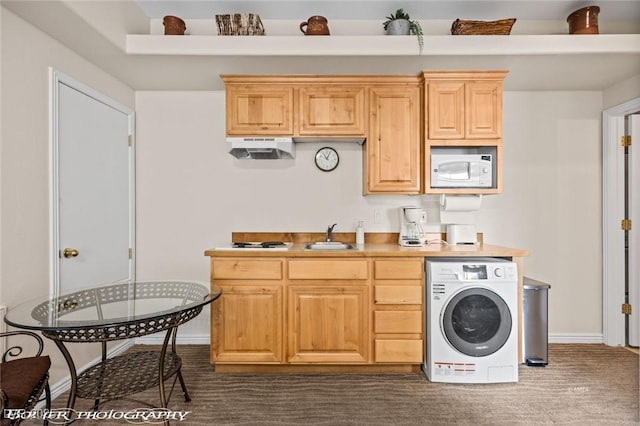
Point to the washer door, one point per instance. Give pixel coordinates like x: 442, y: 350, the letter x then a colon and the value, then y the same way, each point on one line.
x: 476, y: 322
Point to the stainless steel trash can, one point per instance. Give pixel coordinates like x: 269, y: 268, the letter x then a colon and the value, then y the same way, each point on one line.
x: 535, y: 328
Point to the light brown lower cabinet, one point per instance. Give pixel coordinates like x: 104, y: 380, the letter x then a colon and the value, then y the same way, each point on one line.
x: 247, y: 324
x: 398, y: 351
x: 328, y: 324
x: 247, y: 321
x: 328, y: 314
x: 398, y: 310
x: 317, y: 311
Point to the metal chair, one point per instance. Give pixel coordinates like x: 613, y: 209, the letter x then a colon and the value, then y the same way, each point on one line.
x: 23, y: 379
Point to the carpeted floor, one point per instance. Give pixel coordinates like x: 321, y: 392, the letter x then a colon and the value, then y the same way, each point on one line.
x: 582, y: 385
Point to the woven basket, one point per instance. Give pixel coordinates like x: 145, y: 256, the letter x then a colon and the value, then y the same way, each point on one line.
x: 500, y: 27
x: 239, y: 24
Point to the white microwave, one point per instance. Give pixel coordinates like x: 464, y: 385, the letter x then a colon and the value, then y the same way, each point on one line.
x: 461, y: 171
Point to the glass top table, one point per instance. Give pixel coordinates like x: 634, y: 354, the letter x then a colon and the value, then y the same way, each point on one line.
x: 117, y: 312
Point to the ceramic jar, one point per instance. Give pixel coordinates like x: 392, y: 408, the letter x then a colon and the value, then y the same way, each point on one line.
x: 584, y: 21
x: 316, y: 25
x: 173, y: 25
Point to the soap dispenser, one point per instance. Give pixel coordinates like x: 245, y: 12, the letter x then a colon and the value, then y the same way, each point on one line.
x: 360, y: 233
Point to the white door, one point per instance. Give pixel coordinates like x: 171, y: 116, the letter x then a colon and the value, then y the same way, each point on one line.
x: 92, y: 187
x: 620, y: 269
x: 633, y: 194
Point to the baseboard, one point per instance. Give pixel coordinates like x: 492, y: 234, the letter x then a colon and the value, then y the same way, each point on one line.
x: 576, y: 338
x: 205, y: 339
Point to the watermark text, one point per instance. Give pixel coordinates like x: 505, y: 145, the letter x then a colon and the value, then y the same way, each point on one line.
x: 65, y: 415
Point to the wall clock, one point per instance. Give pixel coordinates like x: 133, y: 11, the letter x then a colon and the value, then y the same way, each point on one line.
x: 327, y: 159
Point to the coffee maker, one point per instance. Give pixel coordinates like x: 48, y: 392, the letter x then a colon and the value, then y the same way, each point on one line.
x: 411, y: 231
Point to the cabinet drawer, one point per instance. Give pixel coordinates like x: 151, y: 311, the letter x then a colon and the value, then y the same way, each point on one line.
x: 398, y: 295
x: 257, y: 269
x: 328, y: 269
x: 398, y: 351
x: 397, y: 322
x: 398, y: 269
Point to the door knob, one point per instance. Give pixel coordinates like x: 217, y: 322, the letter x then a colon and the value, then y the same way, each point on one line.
x: 70, y: 252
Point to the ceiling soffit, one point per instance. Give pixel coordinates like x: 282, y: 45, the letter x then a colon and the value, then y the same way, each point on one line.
x: 104, y: 45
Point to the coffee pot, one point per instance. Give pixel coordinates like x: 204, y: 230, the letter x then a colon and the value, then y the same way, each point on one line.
x: 411, y: 231
x: 316, y: 25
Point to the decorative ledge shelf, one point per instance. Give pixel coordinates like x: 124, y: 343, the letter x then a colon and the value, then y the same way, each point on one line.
x: 434, y: 45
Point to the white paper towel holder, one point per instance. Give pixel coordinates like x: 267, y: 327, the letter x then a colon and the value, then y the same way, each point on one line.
x: 459, y: 218
x: 471, y: 202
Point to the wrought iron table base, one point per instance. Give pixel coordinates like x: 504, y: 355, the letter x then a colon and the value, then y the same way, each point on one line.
x: 123, y: 375
x: 119, y: 312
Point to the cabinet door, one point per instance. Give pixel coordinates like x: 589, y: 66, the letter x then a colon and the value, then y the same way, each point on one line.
x: 392, y: 163
x: 483, y: 110
x: 328, y: 324
x: 259, y: 110
x: 247, y: 324
x: 332, y: 110
x: 445, y: 106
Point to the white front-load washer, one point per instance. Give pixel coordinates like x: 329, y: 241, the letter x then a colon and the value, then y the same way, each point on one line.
x: 471, y: 320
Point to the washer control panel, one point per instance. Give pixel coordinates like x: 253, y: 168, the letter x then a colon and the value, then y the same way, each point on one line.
x: 473, y: 270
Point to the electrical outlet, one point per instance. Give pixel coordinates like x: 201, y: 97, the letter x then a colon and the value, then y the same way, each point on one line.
x: 377, y: 216
x: 423, y: 217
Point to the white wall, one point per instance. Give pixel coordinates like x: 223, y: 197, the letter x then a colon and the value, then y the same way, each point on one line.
x: 622, y: 92
x: 24, y: 165
x: 551, y: 203
x: 192, y: 194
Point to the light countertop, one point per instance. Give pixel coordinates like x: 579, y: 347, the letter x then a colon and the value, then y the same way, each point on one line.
x: 382, y: 245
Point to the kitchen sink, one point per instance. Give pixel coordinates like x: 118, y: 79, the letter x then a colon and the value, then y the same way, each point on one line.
x: 329, y: 245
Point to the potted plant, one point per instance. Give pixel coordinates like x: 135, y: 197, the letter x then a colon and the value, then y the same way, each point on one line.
x: 401, y: 23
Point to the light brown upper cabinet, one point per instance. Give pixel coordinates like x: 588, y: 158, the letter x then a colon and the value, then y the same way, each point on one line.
x: 253, y: 110
x: 463, y: 109
x: 463, y: 113
x: 295, y: 105
x: 404, y: 118
x: 445, y: 118
x: 332, y: 110
x: 392, y: 161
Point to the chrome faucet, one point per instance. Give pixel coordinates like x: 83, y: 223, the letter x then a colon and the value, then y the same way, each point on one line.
x: 329, y: 232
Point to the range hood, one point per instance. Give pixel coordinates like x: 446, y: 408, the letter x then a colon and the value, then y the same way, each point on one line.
x: 259, y: 148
